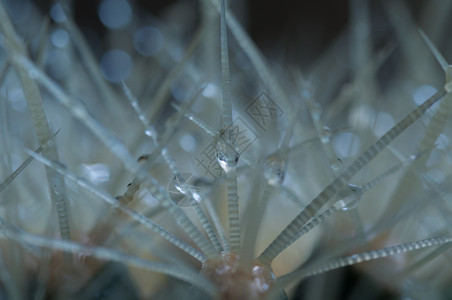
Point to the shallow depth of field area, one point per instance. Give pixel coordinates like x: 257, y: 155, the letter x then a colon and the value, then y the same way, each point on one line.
x: 225, y: 149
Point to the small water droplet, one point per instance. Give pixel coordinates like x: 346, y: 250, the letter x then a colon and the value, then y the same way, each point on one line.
x: 148, y: 132
x: 349, y: 197
x: 117, y: 203
x: 185, y: 187
x: 275, y: 169
x: 337, y: 165
x: 326, y: 134
x: 227, y: 156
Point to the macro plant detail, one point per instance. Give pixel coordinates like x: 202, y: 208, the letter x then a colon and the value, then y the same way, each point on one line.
x: 169, y: 158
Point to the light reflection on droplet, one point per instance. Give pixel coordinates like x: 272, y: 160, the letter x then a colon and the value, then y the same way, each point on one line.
x: 116, y: 65
x: 148, y: 133
x: 275, y: 169
x: 227, y: 156
x: 114, y: 14
x: 326, y: 135
x: 349, y: 197
x: 59, y: 38
x: 185, y: 187
x: 148, y: 41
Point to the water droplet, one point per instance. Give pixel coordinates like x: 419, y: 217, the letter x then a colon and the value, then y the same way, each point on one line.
x: 275, y: 169
x: 337, y: 165
x: 349, y: 197
x: 117, y: 203
x: 326, y: 134
x: 150, y: 132
x: 227, y: 156
x: 185, y: 187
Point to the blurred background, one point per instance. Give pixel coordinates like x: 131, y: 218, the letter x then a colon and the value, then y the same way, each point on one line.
x: 363, y: 62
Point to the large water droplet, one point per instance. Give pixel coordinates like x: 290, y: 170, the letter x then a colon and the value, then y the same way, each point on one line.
x: 275, y: 169
x: 349, y: 197
x: 227, y: 156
